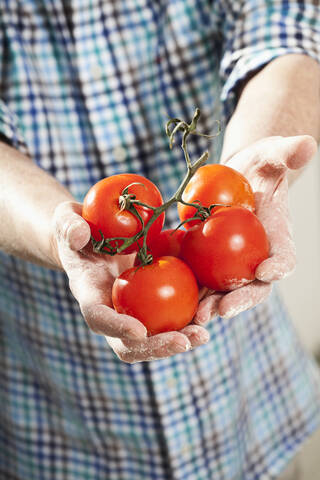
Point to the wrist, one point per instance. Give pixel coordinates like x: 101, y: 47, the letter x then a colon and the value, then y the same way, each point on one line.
x: 281, y: 99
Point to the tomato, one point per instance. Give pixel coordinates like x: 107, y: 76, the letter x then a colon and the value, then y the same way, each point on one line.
x: 167, y: 243
x: 102, y: 211
x: 162, y: 295
x: 213, y: 184
x: 225, y: 250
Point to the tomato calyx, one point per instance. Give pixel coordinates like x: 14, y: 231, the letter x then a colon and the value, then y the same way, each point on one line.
x: 202, y: 212
x: 128, y: 200
x: 112, y: 246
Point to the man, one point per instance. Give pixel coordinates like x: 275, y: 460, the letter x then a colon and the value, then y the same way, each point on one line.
x: 86, y: 89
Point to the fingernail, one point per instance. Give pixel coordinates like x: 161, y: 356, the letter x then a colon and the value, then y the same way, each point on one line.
x: 206, y: 318
x: 77, y: 235
x: 200, y: 338
x: 202, y: 320
x: 178, y: 347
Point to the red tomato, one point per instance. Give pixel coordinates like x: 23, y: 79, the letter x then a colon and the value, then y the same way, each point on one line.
x: 225, y: 250
x: 213, y: 184
x: 167, y: 243
x: 102, y: 211
x: 162, y: 295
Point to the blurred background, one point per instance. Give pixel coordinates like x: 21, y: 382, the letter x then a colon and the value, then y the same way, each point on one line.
x: 301, y: 290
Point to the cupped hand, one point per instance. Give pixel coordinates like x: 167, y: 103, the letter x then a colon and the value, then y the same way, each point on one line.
x: 91, y: 276
x: 267, y: 165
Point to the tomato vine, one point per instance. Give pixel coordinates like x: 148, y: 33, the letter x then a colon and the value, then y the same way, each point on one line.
x: 128, y: 201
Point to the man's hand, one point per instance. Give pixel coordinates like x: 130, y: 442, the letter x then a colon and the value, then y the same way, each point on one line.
x: 91, y: 278
x: 267, y: 165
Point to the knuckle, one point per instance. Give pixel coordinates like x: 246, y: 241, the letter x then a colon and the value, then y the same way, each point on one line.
x: 93, y: 327
x: 92, y: 322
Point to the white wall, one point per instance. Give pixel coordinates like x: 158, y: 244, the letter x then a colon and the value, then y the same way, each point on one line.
x: 301, y: 291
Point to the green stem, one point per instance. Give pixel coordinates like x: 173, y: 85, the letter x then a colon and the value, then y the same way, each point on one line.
x: 177, y: 197
x: 129, y: 201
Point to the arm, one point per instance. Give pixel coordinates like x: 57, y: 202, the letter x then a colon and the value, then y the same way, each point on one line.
x: 42, y: 223
x: 281, y: 99
x: 269, y: 138
x: 28, y: 199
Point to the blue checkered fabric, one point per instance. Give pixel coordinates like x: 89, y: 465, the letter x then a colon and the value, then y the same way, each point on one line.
x: 86, y: 88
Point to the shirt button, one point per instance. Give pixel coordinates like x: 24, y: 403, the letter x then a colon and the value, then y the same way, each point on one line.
x: 119, y: 153
x: 97, y: 71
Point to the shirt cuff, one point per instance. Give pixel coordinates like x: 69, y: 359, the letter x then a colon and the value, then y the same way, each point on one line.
x: 261, y: 32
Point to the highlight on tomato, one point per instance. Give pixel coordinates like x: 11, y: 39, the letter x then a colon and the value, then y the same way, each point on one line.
x: 224, y: 250
x: 215, y: 184
x: 105, y: 209
x: 162, y: 295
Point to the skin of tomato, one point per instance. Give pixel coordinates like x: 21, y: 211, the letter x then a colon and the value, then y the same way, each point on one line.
x: 162, y: 295
x: 102, y: 211
x: 167, y: 243
x: 225, y: 250
x: 215, y: 183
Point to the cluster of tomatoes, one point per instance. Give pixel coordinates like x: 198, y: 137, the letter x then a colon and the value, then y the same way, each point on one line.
x: 219, y: 247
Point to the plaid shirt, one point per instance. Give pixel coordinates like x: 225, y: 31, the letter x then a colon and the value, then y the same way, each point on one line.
x: 86, y: 87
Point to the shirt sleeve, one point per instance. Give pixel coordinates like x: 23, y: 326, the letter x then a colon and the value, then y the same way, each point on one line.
x: 258, y: 31
x: 10, y: 131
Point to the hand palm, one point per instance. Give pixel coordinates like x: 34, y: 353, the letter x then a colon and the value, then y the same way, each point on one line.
x: 266, y: 165
x: 91, y: 277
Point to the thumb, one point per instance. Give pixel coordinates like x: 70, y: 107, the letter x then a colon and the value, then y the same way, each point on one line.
x: 70, y: 227
x: 300, y: 150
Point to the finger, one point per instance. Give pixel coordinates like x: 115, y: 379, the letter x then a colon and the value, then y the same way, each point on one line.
x: 158, y: 346
x: 275, y: 218
x: 300, y: 150
x: 73, y: 234
x: 267, y: 161
x: 244, y: 298
x: 197, y: 335
x: 280, y: 265
x: 203, y: 292
x: 119, y: 263
x: 103, y: 320
x: 92, y: 289
x: 275, y: 158
x: 91, y: 276
x: 208, y: 308
x: 292, y: 152
x: 70, y: 227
